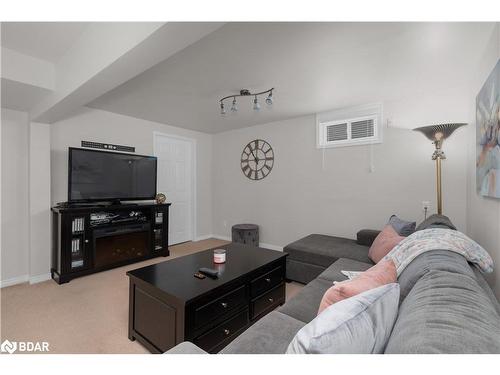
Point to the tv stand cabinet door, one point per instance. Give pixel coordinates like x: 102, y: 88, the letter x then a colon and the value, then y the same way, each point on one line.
x: 160, y: 232
x: 76, y: 254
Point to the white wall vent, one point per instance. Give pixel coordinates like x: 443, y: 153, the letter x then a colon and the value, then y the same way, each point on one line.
x: 336, y: 132
x: 337, y: 129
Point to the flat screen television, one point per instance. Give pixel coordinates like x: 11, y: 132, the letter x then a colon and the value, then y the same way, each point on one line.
x: 110, y: 176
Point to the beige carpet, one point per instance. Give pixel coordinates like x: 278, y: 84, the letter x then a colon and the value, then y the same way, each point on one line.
x: 86, y: 315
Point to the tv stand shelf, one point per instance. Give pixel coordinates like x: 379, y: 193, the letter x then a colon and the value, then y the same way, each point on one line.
x: 93, y: 238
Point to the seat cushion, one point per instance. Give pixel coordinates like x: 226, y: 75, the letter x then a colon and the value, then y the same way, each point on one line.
x: 270, y: 335
x: 323, y: 250
x: 333, y: 273
x: 304, y: 306
x: 446, y: 312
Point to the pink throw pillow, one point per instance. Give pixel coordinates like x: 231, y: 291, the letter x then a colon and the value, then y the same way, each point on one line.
x: 384, y: 243
x: 380, y: 274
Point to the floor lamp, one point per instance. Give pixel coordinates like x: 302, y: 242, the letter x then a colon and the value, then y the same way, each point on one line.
x: 437, y: 134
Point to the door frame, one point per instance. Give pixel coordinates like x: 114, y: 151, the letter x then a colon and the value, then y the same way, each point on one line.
x: 194, y: 187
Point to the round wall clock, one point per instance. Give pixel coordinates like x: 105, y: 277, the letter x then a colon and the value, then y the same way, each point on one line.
x: 257, y: 159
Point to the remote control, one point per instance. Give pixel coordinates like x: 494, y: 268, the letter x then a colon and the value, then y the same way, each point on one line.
x: 209, y: 272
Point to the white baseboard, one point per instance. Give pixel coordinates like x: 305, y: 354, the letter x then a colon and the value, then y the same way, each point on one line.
x: 219, y: 237
x: 14, y: 281
x: 264, y: 245
x: 25, y: 279
x: 204, y: 237
x: 40, y: 278
x: 272, y: 247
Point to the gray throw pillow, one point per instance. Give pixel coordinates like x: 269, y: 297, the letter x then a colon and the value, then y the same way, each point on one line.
x: 358, y: 325
x: 403, y: 227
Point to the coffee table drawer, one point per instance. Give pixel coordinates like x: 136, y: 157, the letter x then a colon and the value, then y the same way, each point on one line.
x: 268, y: 301
x: 224, y: 332
x: 266, y: 281
x: 228, y: 302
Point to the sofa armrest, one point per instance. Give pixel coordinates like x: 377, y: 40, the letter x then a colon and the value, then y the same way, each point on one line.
x: 366, y: 237
x: 186, y: 347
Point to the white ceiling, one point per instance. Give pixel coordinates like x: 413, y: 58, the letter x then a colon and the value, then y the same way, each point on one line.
x: 313, y: 66
x: 43, y: 40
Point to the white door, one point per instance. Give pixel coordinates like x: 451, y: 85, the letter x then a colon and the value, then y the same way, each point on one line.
x: 176, y: 180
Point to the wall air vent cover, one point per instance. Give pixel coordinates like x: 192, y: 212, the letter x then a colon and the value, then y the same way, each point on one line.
x: 336, y: 132
x: 363, y: 128
x: 341, y: 128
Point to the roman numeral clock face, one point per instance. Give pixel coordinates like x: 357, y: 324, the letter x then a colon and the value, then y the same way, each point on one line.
x: 257, y: 159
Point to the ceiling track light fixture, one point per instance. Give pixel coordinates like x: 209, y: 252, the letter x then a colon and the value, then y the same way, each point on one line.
x: 245, y: 92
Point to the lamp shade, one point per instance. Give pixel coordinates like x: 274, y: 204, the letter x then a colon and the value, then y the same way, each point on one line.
x: 440, y: 131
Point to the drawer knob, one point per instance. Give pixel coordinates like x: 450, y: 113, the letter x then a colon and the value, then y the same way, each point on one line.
x: 271, y: 300
x: 268, y: 280
x: 227, y: 332
x: 224, y: 304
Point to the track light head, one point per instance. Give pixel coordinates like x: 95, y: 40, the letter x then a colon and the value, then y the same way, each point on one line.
x: 222, y: 109
x: 256, y: 105
x: 234, y: 107
x: 269, y: 99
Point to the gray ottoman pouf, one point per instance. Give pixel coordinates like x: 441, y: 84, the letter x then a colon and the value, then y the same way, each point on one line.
x: 245, y: 233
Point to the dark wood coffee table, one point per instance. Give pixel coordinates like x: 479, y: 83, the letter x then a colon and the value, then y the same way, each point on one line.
x: 169, y: 305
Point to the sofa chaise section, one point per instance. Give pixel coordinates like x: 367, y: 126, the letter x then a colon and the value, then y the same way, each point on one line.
x: 311, y: 255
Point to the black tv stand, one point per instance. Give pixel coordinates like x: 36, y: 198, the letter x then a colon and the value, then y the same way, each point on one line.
x: 93, y: 237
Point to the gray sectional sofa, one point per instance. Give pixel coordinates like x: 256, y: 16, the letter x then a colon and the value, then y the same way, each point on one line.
x: 446, y: 306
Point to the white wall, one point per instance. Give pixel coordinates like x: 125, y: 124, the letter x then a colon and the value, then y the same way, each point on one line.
x: 39, y: 202
x: 332, y: 191
x: 483, y: 214
x: 101, y: 126
x: 26, y: 240
x: 15, y: 197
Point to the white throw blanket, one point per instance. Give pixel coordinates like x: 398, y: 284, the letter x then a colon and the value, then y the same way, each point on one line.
x: 439, y: 239
x: 349, y: 274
